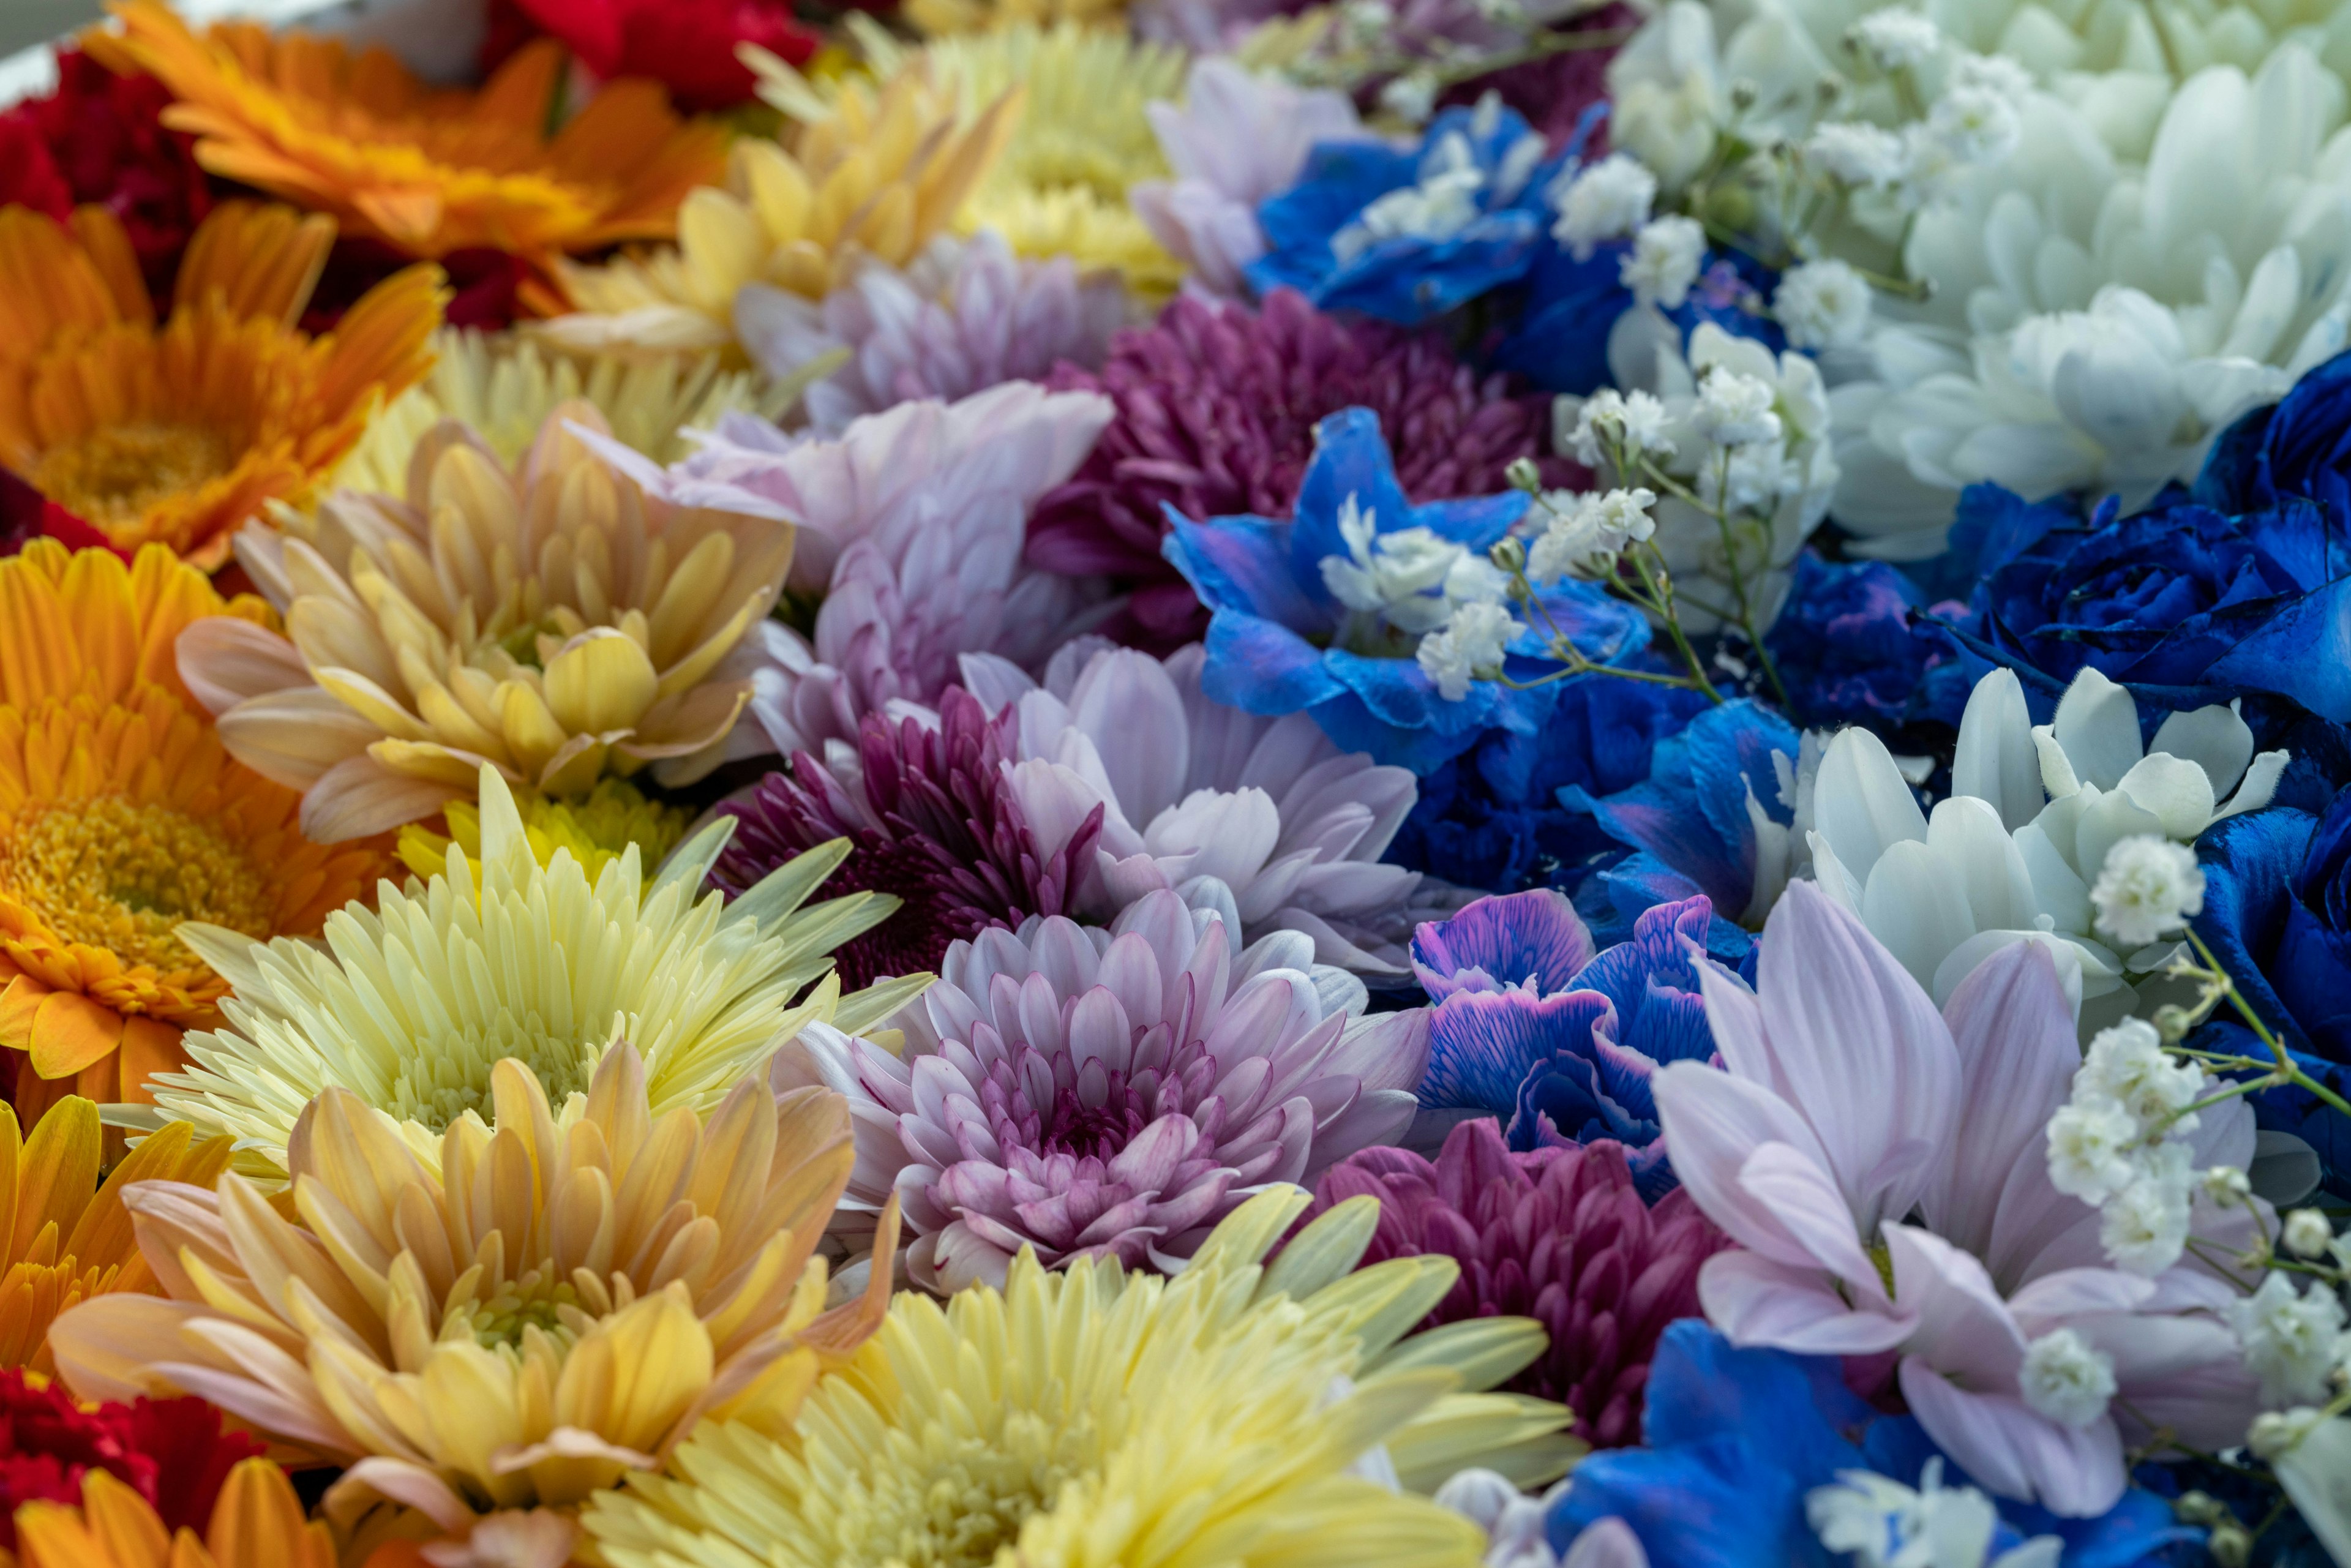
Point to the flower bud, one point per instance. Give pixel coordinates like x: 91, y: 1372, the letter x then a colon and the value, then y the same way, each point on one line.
x: 2306, y: 1233
x: 1523, y: 474
x: 2274, y: 1431
x: 2225, y: 1184
x: 2173, y: 1021
x: 2231, y: 1544
x: 1508, y: 552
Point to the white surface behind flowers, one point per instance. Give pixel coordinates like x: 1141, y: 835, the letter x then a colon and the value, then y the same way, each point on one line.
x: 2128, y: 246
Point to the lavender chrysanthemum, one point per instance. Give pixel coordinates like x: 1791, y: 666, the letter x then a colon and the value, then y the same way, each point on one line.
x: 964, y: 316
x: 1110, y: 1093
x: 930, y: 821
x: 1216, y: 409
x: 1559, y: 1234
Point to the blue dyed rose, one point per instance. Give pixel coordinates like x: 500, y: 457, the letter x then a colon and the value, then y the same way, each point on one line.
x: 1735, y: 1441
x: 2186, y: 604
x: 1851, y: 651
x: 1533, y: 1027
x: 1409, y: 235
x: 1709, y: 819
x: 2277, y: 914
x: 2298, y: 446
x: 1280, y: 641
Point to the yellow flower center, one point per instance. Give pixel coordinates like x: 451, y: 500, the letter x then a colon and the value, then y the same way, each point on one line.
x: 114, y: 473
x: 449, y: 1075
x: 113, y: 873
x: 955, y: 1499
x: 533, y: 1301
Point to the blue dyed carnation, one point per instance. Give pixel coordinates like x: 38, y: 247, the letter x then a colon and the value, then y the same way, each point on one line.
x: 1280, y: 642
x: 1534, y: 1027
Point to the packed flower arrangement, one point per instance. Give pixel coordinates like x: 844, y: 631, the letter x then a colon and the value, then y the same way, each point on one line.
x: 1194, y: 784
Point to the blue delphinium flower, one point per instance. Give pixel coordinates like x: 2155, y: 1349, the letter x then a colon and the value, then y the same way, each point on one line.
x: 1848, y: 648
x: 1408, y: 236
x: 1737, y: 1441
x: 2277, y: 914
x: 1712, y: 818
x: 1532, y: 1026
x: 1325, y: 612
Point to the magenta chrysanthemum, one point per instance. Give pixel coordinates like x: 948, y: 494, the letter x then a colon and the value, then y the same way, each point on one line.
x: 1091, y: 1091
x: 930, y: 819
x: 1559, y: 1234
x: 1216, y: 408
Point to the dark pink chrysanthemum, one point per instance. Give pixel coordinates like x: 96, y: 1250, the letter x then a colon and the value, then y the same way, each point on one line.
x: 931, y: 821
x: 1559, y: 1235
x: 1216, y: 409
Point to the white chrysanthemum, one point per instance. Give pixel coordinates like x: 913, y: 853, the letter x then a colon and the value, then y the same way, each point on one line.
x: 2096, y: 324
x: 412, y: 1005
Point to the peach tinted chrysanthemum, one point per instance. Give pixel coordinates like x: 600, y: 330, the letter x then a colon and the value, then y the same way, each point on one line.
x: 1216, y: 410
x: 547, y: 1308
x: 1092, y: 1091
x: 551, y: 620
x: 1559, y: 1234
x: 179, y: 431
x: 121, y: 817
x: 427, y: 170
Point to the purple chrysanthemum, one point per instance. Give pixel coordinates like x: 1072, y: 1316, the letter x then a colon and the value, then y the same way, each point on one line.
x: 1108, y: 1092
x: 1559, y: 1234
x: 930, y: 821
x: 1216, y: 410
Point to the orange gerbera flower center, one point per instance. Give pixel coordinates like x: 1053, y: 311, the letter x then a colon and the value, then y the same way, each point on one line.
x: 113, y: 474
x: 122, y: 874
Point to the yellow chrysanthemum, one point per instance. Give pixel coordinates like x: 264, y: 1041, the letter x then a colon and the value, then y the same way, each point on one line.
x: 178, y: 433
x: 507, y: 1320
x: 426, y: 169
x: 69, y: 1238
x: 121, y: 816
x: 1089, y: 1417
x: 256, y: 1522
x: 551, y: 620
x: 1060, y: 187
x: 503, y: 387
x: 413, y: 1006
x: 881, y: 176
x: 936, y: 17
x: 596, y: 831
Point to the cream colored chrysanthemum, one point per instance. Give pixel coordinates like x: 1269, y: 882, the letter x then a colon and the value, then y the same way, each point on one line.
x: 413, y: 1006
x: 934, y: 17
x: 1082, y: 138
x: 511, y: 1317
x: 553, y: 621
x: 1229, y: 1415
x: 881, y: 174
x: 503, y: 387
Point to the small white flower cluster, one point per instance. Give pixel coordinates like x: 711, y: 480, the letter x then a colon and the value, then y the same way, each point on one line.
x: 2067, y: 1379
x: 1587, y: 533
x: 1971, y: 113
x: 1610, y: 199
x: 1452, y: 192
x: 1608, y: 420
x: 1416, y: 582
x: 2147, y: 890
x: 2294, y: 1339
x: 2117, y: 1143
x: 1879, y: 1522
x: 1822, y: 305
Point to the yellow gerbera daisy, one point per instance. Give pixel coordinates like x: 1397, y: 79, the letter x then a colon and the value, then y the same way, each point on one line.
x: 511, y: 1320
x: 426, y: 169
x: 256, y: 1522
x: 1089, y: 1417
x: 70, y: 1237
x: 596, y: 831
x: 121, y: 816
x: 502, y: 387
x: 551, y: 620
x: 413, y: 1006
x: 1060, y: 187
x: 881, y: 174
x: 178, y: 433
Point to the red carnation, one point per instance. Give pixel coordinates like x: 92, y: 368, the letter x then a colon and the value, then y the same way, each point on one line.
x: 173, y: 1452
x: 688, y: 46
x: 26, y: 515
x: 99, y: 139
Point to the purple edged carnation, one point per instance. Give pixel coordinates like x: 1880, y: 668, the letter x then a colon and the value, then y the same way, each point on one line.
x: 1561, y: 1235
x: 1216, y: 410
x: 926, y: 810
x: 1531, y: 1025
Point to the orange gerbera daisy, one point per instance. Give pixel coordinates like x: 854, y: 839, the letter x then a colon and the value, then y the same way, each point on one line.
x: 428, y: 170
x: 178, y: 433
x: 256, y: 1523
x: 71, y: 1239
x: 121, y: 816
